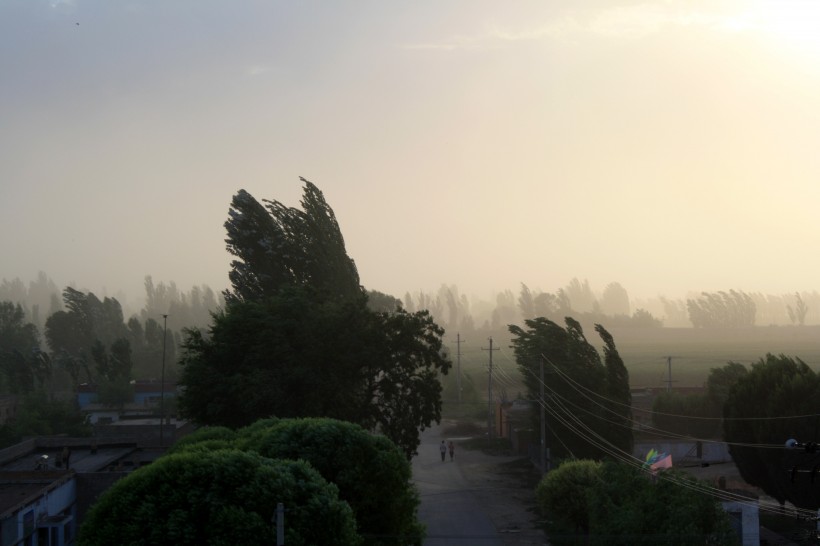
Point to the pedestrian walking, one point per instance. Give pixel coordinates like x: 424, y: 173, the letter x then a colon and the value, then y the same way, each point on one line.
x: 65, y: 457
x: 443, y: 449
x: 452, y: 449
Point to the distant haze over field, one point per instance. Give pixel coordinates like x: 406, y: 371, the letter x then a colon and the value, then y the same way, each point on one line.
x: 670, y: 147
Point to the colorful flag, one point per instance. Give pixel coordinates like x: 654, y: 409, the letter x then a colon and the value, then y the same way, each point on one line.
x: 666, y: 462
x: 656, y: 460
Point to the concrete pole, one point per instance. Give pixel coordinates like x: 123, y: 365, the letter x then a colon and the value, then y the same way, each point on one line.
x: 162, y: 384
x: 458, y: 365
x: 543, y: 421
x: 280, y: 524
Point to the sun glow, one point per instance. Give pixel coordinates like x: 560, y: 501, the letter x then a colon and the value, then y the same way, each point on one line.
x: 795, y: 24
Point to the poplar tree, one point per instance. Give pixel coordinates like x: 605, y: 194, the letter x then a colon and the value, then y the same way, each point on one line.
x: 277, y: 246
x: 588, y: 396
x: 297, y: 338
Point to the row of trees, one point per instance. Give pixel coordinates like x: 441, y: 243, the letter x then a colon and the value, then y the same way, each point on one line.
x: 87, y: 339
x: 456, y: 312
x: 26, y: 370
x: 614, y: 309
x: 730, y: 309
x: 42, y: 298
x: 91, y: 342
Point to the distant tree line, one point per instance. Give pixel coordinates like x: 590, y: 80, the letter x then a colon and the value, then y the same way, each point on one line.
x: 454, y: 311
x: 730, y: 309
x: 614, y: 308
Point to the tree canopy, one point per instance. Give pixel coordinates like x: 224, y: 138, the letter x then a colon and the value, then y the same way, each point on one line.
x: 297, y: 339
x: 222, y: 497
x: 372, y: 474
x: 574, y: 369
x: 775, y: 401
x: 294, y: 355
x: 277, y: 246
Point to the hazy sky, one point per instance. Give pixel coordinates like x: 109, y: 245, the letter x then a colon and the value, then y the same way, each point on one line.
x: 668, y: 146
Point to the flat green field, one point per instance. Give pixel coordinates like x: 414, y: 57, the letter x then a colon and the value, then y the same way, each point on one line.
x: 694, y: 353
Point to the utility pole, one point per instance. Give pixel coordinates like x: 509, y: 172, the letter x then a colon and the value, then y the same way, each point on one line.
x: 162, y: 383
x: 490, y: 411
x: 280, y: 524
x: 458, y: 365
x: 543, y: 403
x: 669, y: 379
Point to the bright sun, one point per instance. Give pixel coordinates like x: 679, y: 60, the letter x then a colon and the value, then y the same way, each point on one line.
x: 793, y: 23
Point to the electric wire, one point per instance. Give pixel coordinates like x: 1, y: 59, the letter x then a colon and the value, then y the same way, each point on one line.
x: 596, y: 440
x: 574, y: 384
x: 762, y: 418
x: 623, y: 420
x: 569, y: 419
x: 573, y: 423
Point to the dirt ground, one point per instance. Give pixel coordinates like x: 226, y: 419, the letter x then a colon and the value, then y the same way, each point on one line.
x: 504, y: 484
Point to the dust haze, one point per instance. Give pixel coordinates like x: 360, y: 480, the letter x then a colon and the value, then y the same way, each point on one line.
x: 670, y: 149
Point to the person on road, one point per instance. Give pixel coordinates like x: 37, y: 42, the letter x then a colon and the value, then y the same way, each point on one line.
x: 452, y: 449
x: 443, y: 449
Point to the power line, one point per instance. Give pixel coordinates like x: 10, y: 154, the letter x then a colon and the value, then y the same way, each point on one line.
x: 577, y: 427
x: 615, y: 402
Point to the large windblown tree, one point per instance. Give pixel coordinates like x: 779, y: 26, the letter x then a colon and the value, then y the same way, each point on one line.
x: 297, y: 339
x: 277, y: 246
x: 587, y: 398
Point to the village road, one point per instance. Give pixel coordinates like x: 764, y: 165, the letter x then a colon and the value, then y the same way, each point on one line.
x: 449, y: 508
x: 460, y: 505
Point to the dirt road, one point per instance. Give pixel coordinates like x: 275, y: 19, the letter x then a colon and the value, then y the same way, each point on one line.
x: 477, y: 499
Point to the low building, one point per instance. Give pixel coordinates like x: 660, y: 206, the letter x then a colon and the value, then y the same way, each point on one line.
x: 37, y: 507
x: 513, y: 420
x: 48, y: 483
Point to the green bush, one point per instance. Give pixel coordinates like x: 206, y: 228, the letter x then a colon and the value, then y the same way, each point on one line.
x: 206, y: 438
x: 616, y: 504
x: 220, y: 498
x: 372, y: 473
x: 563, y: 493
